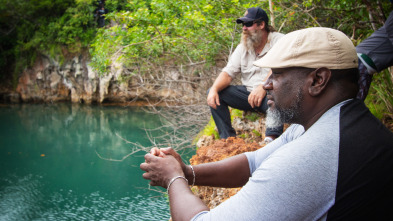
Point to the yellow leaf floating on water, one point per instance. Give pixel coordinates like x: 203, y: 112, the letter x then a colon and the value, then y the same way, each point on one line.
x: 42, y: 155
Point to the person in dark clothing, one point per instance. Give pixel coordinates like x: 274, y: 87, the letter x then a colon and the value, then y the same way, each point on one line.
x: 375, y: 54
x: 100, y: 15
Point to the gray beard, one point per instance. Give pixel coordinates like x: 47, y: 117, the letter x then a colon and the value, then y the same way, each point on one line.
x: 277, y: 116
x: 273, y: 118
x: 252, y: 39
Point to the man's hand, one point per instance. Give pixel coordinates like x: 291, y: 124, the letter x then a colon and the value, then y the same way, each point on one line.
x: 169, y: 151
x: 156, y: 152
x: 213, y: 99
x: 223, y: 80
x: 166, y: 151
x: 159, y: 170
x: 256, y: 96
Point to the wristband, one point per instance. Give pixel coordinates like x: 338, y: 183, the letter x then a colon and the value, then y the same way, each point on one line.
x: 193, y: 174
x: 173, y: 180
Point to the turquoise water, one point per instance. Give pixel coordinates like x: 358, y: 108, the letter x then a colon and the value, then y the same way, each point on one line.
x: 51, y: 167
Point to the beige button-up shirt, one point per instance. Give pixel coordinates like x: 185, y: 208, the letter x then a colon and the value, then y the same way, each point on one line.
x: 241, y: 62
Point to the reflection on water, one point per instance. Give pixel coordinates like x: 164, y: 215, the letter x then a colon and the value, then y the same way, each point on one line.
x: 18, y: 197
x: 50, y: 169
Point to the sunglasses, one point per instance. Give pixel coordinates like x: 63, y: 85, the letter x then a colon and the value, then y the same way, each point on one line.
x: 248, y: 24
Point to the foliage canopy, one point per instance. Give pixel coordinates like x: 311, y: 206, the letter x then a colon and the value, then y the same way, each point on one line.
x: 48, y: 27
x: 158, y: 32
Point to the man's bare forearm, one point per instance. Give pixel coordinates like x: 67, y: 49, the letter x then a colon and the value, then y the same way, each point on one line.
x: 183, y: 203
x: 222, y: 81
x: 231, y: 172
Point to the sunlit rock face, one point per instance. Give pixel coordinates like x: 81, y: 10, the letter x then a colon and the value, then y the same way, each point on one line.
x: 49, y: 80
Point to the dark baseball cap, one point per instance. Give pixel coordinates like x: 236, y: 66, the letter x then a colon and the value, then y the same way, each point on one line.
x: 253, y: 14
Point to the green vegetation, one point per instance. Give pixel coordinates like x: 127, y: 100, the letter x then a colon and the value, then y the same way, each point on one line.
x: 56, y: 28
x: 244, y: 136
x: 380, y: 99
x: 256, y: 133
x: 252, y: 116
x: 236, y: 113
x: 154, y: 33
x: 209, y: 130
x: 145, y: 35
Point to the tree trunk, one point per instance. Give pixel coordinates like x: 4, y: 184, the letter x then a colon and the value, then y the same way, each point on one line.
x: 375, y: 13
x: 271, y: 14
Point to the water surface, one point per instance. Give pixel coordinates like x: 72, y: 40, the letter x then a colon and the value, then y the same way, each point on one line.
x: 51, y: 167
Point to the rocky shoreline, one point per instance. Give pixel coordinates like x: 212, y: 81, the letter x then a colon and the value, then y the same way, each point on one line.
x: 75, y: 80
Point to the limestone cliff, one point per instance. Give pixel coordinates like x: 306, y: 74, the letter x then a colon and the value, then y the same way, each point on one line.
x: 74, y: 79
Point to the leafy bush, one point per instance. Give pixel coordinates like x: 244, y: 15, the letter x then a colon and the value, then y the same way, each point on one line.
x: 380, y: 97
x: 209, y: 130
x: 159, y: 32
x: 48, y: 27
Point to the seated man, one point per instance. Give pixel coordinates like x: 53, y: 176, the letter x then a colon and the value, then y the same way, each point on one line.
x: 257, y: 39
x: 333, y: 163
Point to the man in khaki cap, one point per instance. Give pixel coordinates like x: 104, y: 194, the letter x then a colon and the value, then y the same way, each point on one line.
x: 334, y: 162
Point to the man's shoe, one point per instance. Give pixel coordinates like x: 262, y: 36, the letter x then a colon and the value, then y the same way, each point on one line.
x: 268, y: 140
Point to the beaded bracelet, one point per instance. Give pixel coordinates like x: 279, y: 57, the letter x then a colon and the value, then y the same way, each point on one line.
x: 173, y: 179
x: 193, y: 174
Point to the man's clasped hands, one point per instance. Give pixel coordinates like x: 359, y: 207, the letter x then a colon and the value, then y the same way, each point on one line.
x: 161, y: 165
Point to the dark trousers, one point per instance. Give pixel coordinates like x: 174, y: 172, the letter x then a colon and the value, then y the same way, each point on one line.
x: 236, y: 96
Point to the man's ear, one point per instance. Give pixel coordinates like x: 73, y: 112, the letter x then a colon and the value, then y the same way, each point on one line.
x: 262, y: 25
x: 320, y: 78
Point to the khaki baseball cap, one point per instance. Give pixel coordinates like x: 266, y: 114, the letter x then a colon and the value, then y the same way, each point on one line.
x: 311, y: 48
